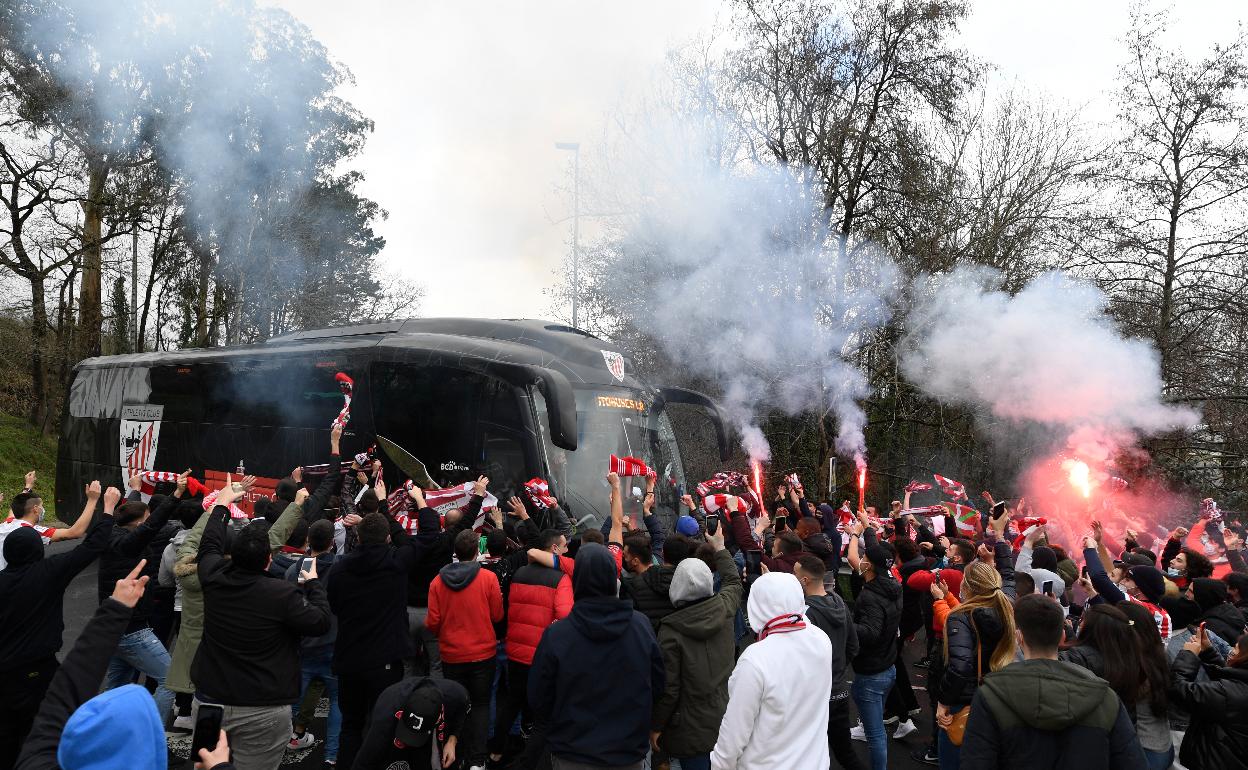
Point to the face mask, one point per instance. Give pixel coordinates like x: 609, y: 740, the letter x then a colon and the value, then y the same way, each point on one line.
x: 1172, y: 572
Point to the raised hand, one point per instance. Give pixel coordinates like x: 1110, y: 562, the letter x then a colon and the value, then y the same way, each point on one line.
x: 182, y: 481
x: 30, y: 479
x: 93, y: 490
x: 480, y: 485
x: 130, y: 589
x: 112, y: 496
x: 613, y: 479
x: 516, y: 505
x: 297, y: 475
x: 302, y: 495
x: 1179, y: 533
x: 134, y: 482
x: 687, y: 501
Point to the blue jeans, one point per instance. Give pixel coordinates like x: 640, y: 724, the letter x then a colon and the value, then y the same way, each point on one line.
x: 950, y: 755
x: 141, y: 651
x: 317, y: 667
x: 700, y: 762
x: 869, y: 692
x: 1159, y: 760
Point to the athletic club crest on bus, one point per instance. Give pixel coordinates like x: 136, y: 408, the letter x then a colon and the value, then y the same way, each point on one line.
x: 140, y: 436
x: 615, y: 364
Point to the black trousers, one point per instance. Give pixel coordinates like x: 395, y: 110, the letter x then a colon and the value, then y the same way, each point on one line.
x: 357, y: 694
x: 477, y: 678
x: 513, y: 702
x: 21, y: 691
x: 840, y: 744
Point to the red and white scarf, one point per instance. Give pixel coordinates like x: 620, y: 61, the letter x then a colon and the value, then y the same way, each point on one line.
x: 149, y: 479
x: 210, y: 502
x: 346, y: 385
x: 783, y: 624
x: 630, y: 466
x: 917, y: 486
x: 952, y: 488
x: 539, y: 493
x: 714, y: 503
x: 722, y: 481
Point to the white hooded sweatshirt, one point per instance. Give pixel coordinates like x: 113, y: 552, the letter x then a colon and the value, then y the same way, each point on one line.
x: 777, y: 717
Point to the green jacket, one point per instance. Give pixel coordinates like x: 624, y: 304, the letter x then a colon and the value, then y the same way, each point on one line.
x: 699, y: 652
x: 191, y: 629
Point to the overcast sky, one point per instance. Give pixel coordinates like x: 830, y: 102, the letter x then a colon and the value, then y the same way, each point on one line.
x: 469, y: 98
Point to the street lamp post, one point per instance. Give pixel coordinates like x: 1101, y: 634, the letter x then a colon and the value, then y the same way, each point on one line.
x: 575, y: 147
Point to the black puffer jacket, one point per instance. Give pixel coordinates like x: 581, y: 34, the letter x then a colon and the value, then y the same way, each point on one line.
x: 648, y: 593
x: 1218, y: 734
x: 877, y: 614
x: 960, y: 679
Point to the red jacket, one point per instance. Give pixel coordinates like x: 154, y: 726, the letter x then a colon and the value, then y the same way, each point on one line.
x: 539, y: 596
x: 465, y: 602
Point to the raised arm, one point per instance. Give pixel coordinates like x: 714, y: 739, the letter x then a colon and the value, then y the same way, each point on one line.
x: 83, y: 523
x: 617, y: 510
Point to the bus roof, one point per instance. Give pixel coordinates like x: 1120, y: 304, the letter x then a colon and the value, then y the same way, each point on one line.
x: 579, y: 355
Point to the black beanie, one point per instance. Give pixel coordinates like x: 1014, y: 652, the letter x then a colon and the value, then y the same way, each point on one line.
x: 23, y: 546
x: 286, y: 489
x: 1044, y: 557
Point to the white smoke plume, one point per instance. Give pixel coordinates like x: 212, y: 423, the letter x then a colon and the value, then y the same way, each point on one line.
x: 232, y: 98
x: 734, y: 272
x: 1048, y: 355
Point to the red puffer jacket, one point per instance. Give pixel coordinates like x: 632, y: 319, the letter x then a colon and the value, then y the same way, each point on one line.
x: 539, y: 596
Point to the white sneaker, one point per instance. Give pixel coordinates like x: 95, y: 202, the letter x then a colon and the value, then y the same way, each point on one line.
x: 858, y: 732
x: 298, y: 742
x: 184, y: 723
x: 905, y: 728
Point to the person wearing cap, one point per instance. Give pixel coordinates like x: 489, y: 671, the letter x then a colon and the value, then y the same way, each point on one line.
x: 595, y: 675
x: 1138, y: 583
x: 417, y: 721
x: 877, y: 616
x: 777, y: 711
x: 688, y: 526
x: 32, y: 617
x: 698, y: 646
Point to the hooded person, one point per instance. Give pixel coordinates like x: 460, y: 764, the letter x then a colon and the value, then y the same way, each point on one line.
x: 596, y: 673
x: 777, y: 712
x: 465, y: 602
x: 1216, y: 611
x: 699, y: 645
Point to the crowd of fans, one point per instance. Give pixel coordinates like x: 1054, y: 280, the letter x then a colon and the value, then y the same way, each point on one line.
x: 733, y: 635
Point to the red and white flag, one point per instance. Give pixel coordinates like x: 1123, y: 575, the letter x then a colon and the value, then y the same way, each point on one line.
x: 917, y: 486
x: 630, y: 466
x: 967, y: 518
x: 950, y: 487
x: 443, y: 500
x: 722, y: 481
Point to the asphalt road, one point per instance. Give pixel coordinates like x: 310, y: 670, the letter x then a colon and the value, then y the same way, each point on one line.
x: 80, y: 603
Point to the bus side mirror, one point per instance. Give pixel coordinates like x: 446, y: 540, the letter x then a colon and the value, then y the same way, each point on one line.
x: 560, y: 405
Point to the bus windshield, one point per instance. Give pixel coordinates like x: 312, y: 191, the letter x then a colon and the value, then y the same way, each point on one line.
x: 621, y: 422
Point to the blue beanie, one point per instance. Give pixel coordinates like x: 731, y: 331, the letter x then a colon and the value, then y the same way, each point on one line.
x: 116, y: 730
x: 687, y: 526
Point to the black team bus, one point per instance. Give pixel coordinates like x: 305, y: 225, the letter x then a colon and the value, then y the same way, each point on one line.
x: 510, y: 399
